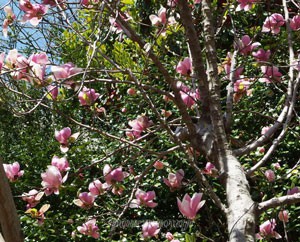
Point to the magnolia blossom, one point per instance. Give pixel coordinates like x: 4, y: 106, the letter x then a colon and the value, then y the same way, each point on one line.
x: 89, y: 228
x: 270, y: 175
x: 174, y: 180
x: 61, y: 163
x: 143, y: 199
x: 33, y: 12
x: 169, y: 236
x: 264, y: 130
x: 52, y: 180
x: 10, y: 17
x: 245, y: 45
x: 113, y: 176
x: 150, y: 229
x: 97, y: 187
x: 283, y: 216
x: 210, y: 169
x: 188, y: 96
x: 160, y: 18
x: 295, y: 22
x: 38, y: 214
x: 245, y: 5
x: 158, y: 165
x: 87, y: 96
x: 65, y: 71
x: 190, y: 206
x: 17, y: 63
x: 86, y: 200
x: 13, y: 171
x: 53, y: 92
x: 63, y: 135
x: 184, y: 67
x: 32, y: 198
x: 115, y: 27
x: 270, y: 73
x: 261, y: 55
x: 266, y: 230
x: 273, y: 23
x: 138, y: 125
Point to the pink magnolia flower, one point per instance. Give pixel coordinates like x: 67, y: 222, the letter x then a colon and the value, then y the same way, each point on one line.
x: 174, y: 180
x: 52, y: 180
x: 210, y: 169
x: 63, y: 135
x: 2, y: 57
x: 39, y: 215
x: 264, y: 130
x: 143, y: 199
x: 65, y: 71
x: 17, y: 63
x: 97, y: 187
x: 245, y: 45
x: 295, y: 22
x: 131, y: 91
x: 273, y: 23
x: 10, y: 17
x: 245, y: 5
x: 160, y: 18
x: 86, y: 200
x: 169, y: 236
x: 188, y: 96
x: 52, y: 92
x: 184, y: 67
x: 283, y: 216
x: 158, y: 165
x: 61, y: 163
x: 13, y: 171
x: 266, y: 230
x: 241, y: 85
x: 115, y: 27
x: 87, y: 96
x: 89, y: 228
x: 270, y: 73
x: 113, y: 176
x: 33, y: 12
x: 293, y: 190
x: 261, y: 55
x: 150, y: 229
x: 261, y: 150
x: 53, y: 3
x: 276, y: 165
x: 270, y: 175
x: 190, y: 206
x: 138, y: 125
x: 32, y: 198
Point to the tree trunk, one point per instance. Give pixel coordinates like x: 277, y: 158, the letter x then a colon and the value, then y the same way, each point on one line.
x: 9, y: 220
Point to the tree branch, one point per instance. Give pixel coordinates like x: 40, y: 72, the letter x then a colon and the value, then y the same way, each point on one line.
x: 278, y: 201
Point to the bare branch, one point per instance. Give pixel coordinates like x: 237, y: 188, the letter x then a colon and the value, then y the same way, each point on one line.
x: 278, y: 202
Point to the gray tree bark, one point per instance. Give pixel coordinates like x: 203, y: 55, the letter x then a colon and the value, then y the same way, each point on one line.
x: 9, y: 220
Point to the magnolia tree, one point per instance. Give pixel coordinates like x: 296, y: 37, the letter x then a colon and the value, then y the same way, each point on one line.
x: 155, y: 120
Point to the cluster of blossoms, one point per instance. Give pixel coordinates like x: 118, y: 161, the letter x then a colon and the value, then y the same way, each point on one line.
x: 113, y: 179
